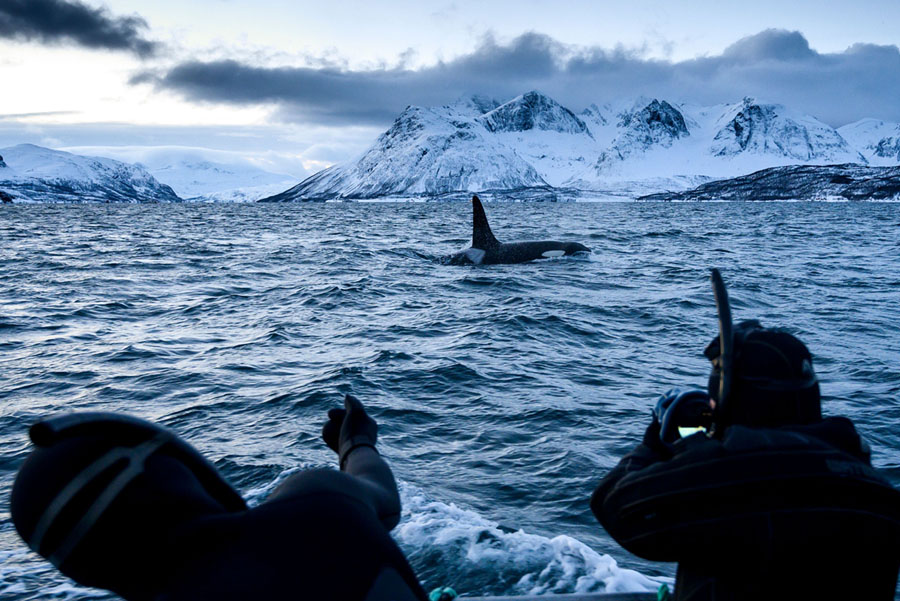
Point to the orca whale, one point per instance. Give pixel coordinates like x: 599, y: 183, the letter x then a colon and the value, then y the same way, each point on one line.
x: 487, y: 250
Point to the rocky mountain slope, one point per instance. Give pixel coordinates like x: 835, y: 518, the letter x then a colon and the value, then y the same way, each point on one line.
x: 425, y: 152
x: 34, y: 174
x: 637, y: 147
x: 799, y: 182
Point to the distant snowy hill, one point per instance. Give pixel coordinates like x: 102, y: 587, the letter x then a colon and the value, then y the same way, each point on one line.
x: 34, y: 174
x: 200, y: 174
x: 878, y: 141
x: 626, y: 150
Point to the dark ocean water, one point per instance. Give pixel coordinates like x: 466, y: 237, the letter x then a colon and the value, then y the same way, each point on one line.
x: 503, y: 393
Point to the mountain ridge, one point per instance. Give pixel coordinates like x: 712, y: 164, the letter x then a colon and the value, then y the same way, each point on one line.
x: 530, y: 146
x: 36, y: 174
x: 636, y: 147
x: 798, y: 182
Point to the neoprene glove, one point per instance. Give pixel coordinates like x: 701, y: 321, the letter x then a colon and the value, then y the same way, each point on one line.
x: 653, y: 441
x: 349, y: 428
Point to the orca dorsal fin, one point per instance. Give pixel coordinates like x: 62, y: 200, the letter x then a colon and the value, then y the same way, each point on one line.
x: 482, y: 236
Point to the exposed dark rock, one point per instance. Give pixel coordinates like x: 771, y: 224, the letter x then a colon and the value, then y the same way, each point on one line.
x: 657, y: 119
x: 888, y: 148
x: 533, y: 111
x: 658, y: 124
x: 799, y: 182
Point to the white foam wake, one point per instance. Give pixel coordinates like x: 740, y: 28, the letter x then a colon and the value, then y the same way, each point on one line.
x: 481, y: 557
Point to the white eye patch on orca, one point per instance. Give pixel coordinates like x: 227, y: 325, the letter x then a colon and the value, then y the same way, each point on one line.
x: 547, y: 254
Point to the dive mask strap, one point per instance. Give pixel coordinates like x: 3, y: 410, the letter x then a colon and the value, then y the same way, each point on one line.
x: 134, y: 456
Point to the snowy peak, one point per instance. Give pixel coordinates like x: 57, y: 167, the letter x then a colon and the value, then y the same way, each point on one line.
x: 424, y: 152
x: 475, y: 105
x: 878, y: 141
x: 658, y: 122
x: 595, y: 114
x: 619, y: 149
x: 655, y: 125
x: 411, y: 122
x: 533, y: 111
x: 772, y: 129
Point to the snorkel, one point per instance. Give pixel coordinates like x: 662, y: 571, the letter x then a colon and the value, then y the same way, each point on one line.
x: 726, y: 344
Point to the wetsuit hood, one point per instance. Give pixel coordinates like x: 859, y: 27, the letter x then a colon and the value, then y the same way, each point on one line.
x: 98, y: 488
x: 773, y: 382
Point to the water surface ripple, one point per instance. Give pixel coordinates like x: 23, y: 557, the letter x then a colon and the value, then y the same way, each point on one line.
x: 503, y: 393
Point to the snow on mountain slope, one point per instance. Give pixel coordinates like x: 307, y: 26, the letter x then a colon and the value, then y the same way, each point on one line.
x: 196, y: 179
x: 674, y: 145
x: 637, y: 146
x: 548, y: 136
x: 36, y: 174
x: 774, y: 130
x: 878, y: 141
x: 474, y: 106
x: 596, y: 117
x: 200, y: 174
x: 426, y: 151
x: 533, y: 111
x: 656, y: 125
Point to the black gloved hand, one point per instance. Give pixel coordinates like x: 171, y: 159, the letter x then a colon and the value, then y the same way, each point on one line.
x: 653, y: 441
x: 349, y: 428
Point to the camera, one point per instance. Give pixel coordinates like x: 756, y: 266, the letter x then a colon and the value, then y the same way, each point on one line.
x: 683, y: 413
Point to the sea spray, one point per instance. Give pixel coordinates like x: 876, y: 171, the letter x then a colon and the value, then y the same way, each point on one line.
x: 482, y: 557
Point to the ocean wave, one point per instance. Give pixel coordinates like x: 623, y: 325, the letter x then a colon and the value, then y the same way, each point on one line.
x: 453, y: 546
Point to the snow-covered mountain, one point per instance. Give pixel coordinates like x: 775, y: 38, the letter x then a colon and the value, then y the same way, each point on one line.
x: 668, y: 146
x: 878, y: 141
x: 425, y: 152
x: 199, y: 174
x: 35, y: 174
x: 632, y: 148
x: 658, y: 124
x: 774, y: 130
x: 533, y: 111
x: 202, y: 180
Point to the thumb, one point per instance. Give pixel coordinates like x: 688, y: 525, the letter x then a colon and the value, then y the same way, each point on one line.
x: 337, y: 415
x: 351, y: 403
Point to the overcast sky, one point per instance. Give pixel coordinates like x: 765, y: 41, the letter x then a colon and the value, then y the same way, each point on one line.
x: 296, y: 86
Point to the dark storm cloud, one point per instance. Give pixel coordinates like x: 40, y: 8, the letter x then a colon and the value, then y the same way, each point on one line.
x: 774, y: 66
x: 71, y: 21
x: 772, y: 44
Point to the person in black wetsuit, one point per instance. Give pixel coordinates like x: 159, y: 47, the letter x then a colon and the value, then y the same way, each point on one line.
x: 774, y: 502
x: 122, y: 504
